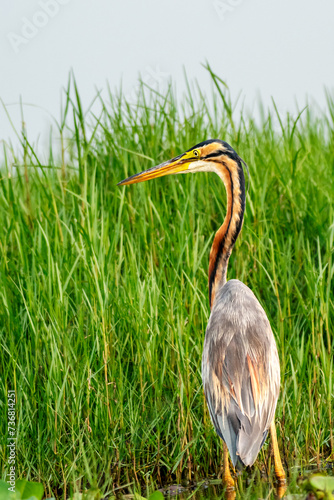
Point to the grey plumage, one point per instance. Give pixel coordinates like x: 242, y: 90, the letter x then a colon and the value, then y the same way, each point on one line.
x: 240, y: 371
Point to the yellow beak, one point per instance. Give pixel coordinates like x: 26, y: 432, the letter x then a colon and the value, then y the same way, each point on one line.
x: 178, y: 164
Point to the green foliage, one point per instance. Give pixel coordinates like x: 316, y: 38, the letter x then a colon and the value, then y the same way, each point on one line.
x: 322, y: 486
x: 24, y: 490
x: 103, y: 289
x: 157, y: 495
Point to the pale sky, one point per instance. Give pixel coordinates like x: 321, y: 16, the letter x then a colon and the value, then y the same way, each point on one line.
x: 279, y: 48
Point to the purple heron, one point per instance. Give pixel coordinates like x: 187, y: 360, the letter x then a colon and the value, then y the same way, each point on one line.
x: 240, y: 364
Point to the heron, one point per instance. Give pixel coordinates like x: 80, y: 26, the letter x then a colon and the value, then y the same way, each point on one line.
x: 240, y: 363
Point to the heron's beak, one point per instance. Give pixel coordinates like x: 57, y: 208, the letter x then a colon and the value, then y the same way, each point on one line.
x: 176, y: 165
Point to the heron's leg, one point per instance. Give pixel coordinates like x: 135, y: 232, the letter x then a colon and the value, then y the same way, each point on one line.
x: 279, y: 471
x: 227, y: 478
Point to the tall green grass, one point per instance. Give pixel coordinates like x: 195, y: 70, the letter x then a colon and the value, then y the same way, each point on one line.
x: 103, y: 289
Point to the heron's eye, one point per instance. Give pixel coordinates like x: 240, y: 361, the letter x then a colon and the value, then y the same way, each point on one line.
x: 196, y: 153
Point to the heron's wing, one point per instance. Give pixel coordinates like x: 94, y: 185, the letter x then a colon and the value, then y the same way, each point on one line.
x: 240, y: 370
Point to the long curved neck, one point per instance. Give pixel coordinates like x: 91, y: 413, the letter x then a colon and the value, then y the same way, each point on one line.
x: 231, y: 172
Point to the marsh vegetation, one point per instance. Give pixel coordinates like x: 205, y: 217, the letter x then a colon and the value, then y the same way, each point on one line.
x: 104, y: 298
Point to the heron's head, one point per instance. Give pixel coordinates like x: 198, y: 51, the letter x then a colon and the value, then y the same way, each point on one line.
x: 207, y: 156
